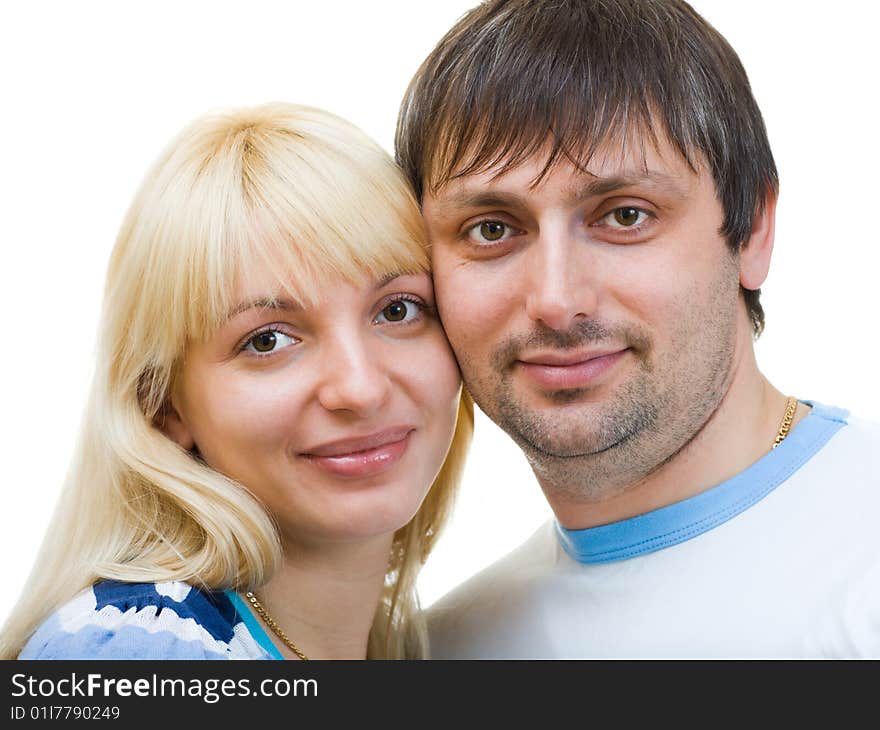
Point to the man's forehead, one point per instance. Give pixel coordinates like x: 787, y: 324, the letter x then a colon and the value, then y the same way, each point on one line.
x: 613, y: 164
x: 609, y: 169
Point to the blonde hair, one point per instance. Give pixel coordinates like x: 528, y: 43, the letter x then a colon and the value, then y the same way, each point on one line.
x: 234, y: 188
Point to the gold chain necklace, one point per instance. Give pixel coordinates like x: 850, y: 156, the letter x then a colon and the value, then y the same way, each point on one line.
x: 270, y: 622
x: 790, y: 408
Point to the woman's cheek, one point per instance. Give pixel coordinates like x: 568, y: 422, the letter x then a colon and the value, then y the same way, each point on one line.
x: 436, y: 369
x: 246, y: 416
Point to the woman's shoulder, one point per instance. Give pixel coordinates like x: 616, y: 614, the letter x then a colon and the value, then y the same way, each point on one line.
x: 117, y: 620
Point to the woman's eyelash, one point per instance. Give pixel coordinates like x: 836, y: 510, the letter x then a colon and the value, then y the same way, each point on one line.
x: 245, y: 344
x: 269, y: 329
x: 417, y: 301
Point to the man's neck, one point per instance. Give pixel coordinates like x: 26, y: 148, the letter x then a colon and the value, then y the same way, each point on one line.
x: 737, y: 433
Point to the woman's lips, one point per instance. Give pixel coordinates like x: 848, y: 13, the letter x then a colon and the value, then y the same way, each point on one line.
x: 354, y: 458
x: 569, y: 372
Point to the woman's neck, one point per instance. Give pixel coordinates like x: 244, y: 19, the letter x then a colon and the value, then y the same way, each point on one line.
x: 324, y: 597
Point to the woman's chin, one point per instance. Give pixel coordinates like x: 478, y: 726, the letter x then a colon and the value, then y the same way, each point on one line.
x: 359, y: 517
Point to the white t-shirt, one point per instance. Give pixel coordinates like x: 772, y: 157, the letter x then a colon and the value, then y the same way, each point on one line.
x: 782, y: 561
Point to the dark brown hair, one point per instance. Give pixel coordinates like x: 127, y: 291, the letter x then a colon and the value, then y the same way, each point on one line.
x: 513, y: 74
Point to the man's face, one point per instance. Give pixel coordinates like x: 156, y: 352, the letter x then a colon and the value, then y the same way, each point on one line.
x: 595, y: 316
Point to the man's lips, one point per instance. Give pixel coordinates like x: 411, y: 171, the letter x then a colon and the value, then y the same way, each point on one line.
x: 562, y: 370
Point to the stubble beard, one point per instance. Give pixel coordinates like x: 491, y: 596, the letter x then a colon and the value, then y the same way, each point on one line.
x: 587, y: 447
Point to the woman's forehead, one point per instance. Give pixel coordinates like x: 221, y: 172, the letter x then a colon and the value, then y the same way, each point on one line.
x: 270, y: 283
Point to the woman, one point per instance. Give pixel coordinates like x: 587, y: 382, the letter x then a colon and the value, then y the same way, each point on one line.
x: 273, y: 400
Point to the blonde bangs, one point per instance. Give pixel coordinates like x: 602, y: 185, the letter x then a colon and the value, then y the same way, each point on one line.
x: 318, y: 212
x: 311, y: 199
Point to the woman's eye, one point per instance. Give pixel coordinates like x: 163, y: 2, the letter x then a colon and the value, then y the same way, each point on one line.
x: 489, y: 232
x: 268, y: 341
x: 400, y: 310
x: 626, y: 217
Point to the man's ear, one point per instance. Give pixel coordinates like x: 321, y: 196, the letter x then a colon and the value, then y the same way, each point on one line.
x: 170, y: 422
x: 754, y: 254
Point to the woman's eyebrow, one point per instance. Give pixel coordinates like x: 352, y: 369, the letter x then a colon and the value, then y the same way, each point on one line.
x: 289, y: 305
x: 389, y: 277
x: 265, y: 303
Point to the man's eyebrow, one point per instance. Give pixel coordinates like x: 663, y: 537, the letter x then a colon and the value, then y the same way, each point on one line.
x: 476, y: 199
x: 464, y: 198
x: 652, y: 179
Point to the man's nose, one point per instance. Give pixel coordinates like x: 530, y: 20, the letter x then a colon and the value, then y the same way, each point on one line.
x: 558, y: 279
x: 355, y: 376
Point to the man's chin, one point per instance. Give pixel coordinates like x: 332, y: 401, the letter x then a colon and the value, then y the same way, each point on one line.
x: 572, y: 430
x: 557, y: 437
x: 568, y: 404
x: 571, y: 447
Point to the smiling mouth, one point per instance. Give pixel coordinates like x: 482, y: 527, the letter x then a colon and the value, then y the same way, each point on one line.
x: 362, y: 457
x: 357, y: 444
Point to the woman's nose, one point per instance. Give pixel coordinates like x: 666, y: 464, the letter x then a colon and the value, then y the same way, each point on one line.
x: 356, y: 377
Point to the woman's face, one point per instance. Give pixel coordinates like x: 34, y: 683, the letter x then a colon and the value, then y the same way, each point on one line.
x: 338, y: 416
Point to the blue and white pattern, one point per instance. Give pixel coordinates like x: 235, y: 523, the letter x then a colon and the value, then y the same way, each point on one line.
x: 115, y: 620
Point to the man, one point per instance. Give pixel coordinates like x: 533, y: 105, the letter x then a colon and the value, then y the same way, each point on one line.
x: 600, y: 196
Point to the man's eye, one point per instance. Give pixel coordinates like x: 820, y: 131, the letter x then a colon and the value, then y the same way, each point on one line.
x: 399, y: 310
x: 626, y: 217
x: 268, y: 341
x: 489, y: 232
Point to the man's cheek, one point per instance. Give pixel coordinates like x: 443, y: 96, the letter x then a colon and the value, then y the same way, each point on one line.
x: 458, y: 316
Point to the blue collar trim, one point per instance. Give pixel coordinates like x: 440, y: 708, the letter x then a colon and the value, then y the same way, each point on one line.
x: 683, y: 520
x: 250, y: 621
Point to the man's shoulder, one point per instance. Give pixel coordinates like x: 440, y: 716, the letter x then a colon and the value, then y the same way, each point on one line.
x: 475, y: 619
x: 856, y: 421
x: 856, y: 444
x: 862, y: 427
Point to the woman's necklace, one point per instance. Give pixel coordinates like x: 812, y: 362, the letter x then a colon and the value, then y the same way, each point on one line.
x: 270, y: 622
x: 790, y: 408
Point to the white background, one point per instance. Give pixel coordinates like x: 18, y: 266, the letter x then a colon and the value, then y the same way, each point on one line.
x: 93, y: 90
